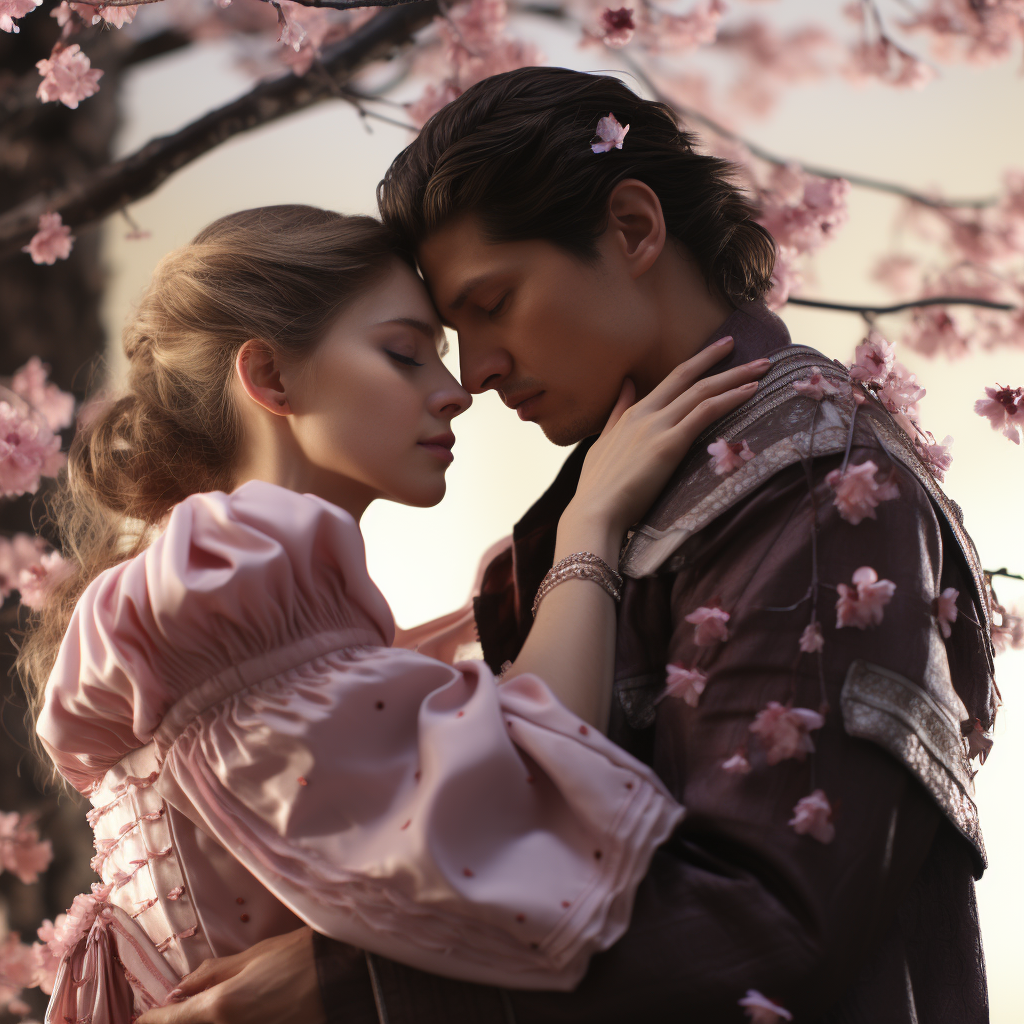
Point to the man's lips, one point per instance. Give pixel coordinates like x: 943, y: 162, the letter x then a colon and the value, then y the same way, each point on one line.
x: 524, y: 405
x: 441, y: 446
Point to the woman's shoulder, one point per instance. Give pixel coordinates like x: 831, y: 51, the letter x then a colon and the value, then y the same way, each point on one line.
x: 231, y: 578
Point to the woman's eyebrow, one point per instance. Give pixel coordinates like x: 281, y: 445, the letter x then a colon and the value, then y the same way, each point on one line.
x: 429, y: 330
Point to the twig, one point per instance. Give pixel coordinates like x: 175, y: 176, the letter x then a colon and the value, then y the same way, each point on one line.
x: 941, y: 300
x: 1003, y: 572
x: 137, y: 175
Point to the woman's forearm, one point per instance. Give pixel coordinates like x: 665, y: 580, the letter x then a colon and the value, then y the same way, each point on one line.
x: 572, y: 643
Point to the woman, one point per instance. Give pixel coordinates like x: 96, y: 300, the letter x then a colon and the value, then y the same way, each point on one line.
x: 257, y: 753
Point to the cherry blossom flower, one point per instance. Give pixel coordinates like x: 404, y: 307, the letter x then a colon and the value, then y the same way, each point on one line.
x: 761, y: 1010
x: 11, y: 9
x: 664, y: 32
x: 801, y: 210
x: 67, y: 77
x: 726, y: 458
x: 710, y: 622
x: 17, y: 970
x: 884, y: 60
x: 811, y: 640
x: 52, y: 240
x: 945, y: 611
x: 116, y: 16
x: 900, y: 392
x: 979, y: 742
x: 611, y: 133
x: 685, y: 683
x: 873, y: 359
x: 858, y: 493
x: 36, y: 581
x: 1004, y: 408
x: 737, y: 764
x: 812, y: 816
x: 899, y: 273
x: 21, y: 850
x: 936, y: 456
x: 45, y: 964
x: 1008, y: 633
x: 55, y: 406
x: 290, y: 30
x: 617, y: 27
x: 862, y: 604
x: 786, y: 277
x: 28, y: 450
x: 16, y: 554
x: 785, y: 731
x: 817, y: 386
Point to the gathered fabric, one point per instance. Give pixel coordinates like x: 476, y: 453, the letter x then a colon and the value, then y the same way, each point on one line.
x: 259, y: 756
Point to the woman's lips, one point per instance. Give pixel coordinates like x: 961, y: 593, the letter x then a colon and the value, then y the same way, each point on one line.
x: 440, y: 447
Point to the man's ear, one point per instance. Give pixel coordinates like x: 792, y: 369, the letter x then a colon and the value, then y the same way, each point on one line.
x: 258, y: 372
x: 638, y: 225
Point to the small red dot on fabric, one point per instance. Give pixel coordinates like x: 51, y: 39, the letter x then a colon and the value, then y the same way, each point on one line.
x: 417, y: 775
x: 584, y: 730
x: 530, y: 778
x: 597, y: 855
x: 468, y: 872
x: 566, y: 904
x: 520, y: 917
x: 534, y: 945
x: 239, y: 900
x: 303, y: 781
x: 380, y: 705
x: 460, y: 714
x: 244, y: 918
x: 406, y: 825
x: 629, y: 785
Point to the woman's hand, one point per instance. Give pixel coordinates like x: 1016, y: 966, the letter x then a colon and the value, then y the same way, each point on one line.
x: 273, y: 982
x: 643, y: 442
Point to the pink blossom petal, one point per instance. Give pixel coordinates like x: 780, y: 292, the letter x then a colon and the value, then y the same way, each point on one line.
x: 36, y: 582
x: 936, y: 457
x: 726, y: 458
x: 611, y: 133
x: 811, y: 639
x: 51, y: 242
x: 67, y: 77
x: 685, y: 683
x: 874, y: 359
x: 710, y: 623
x: 1004, y: 408
x: 11, y: 9
x: 945, y: 611
x: 862, y: 605
x: 21, y: 851
x: 857, y: 493
x: 28, y: 451
x: 813, y: 816
x: 785, y: 731
x: 617, y: 27
x: 737, y: 764
x: 761, y: 1010
x: 817, y: 386
x: 30, y: 383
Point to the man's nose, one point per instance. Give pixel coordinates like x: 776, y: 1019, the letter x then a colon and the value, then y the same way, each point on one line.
x: 483, y: 369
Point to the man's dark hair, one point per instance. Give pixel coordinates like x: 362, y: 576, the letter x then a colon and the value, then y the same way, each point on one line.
x: 514, y: 150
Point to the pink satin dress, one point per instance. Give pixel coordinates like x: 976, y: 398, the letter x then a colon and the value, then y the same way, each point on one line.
x: 259, y: 756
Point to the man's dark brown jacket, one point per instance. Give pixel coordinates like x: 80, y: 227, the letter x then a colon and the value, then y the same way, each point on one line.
x: 879, y: 925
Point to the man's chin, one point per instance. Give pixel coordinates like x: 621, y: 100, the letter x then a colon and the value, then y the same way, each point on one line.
x: 569, y: 432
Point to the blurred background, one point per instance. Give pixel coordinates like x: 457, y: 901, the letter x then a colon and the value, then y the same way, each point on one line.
x: 958, y: 135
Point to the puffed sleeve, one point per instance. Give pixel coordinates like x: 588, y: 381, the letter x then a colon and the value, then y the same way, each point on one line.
x: 422, y: 812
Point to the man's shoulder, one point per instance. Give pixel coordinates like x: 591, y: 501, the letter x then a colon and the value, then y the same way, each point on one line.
x: 805, y: 409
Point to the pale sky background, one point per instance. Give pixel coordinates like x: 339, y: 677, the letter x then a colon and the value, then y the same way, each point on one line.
x: 959, y: 134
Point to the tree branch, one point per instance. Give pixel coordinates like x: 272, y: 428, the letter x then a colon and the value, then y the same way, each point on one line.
x: 139, y: 174
x: 939, y: 300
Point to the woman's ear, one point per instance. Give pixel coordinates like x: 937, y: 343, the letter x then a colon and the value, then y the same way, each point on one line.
x: 259, y: 374
x: 638, y: 223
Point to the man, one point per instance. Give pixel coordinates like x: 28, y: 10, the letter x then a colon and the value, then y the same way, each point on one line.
x: 813, y: 588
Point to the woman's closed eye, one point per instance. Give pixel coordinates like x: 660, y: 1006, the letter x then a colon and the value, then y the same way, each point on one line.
x: 404, y: 360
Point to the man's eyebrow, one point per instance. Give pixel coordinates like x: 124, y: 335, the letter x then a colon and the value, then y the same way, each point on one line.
x: 460, y: 299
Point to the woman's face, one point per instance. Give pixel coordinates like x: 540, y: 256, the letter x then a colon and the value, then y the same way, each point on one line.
x: 371, y: 409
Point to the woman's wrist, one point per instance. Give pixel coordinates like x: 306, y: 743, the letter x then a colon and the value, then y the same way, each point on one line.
x: 583, y: 529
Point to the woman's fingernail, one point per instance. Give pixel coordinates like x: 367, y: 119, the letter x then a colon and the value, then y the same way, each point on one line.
x: 758, y: 363
x: 752, y: 386
x: 725, y: 340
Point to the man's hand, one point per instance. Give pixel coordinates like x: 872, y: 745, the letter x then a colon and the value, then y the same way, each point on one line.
x: 273, y: 982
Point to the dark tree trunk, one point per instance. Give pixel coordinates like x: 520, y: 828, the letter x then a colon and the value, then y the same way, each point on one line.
x: 52, y: 312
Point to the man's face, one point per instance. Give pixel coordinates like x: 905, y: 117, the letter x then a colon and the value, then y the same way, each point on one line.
x: 553, y: 335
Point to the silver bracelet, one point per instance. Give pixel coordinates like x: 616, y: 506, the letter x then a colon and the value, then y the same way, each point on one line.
x: 581, y: 566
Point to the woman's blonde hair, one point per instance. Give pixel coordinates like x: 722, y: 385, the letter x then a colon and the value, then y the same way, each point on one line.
x: 279, y: 274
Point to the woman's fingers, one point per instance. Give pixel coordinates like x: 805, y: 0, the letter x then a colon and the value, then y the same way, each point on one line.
x: 714, y: 386
x: 626, y: 398
x: 688, y: 373
x: 713, y: 408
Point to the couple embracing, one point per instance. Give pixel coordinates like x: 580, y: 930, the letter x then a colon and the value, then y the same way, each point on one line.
x: 715, y: 764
